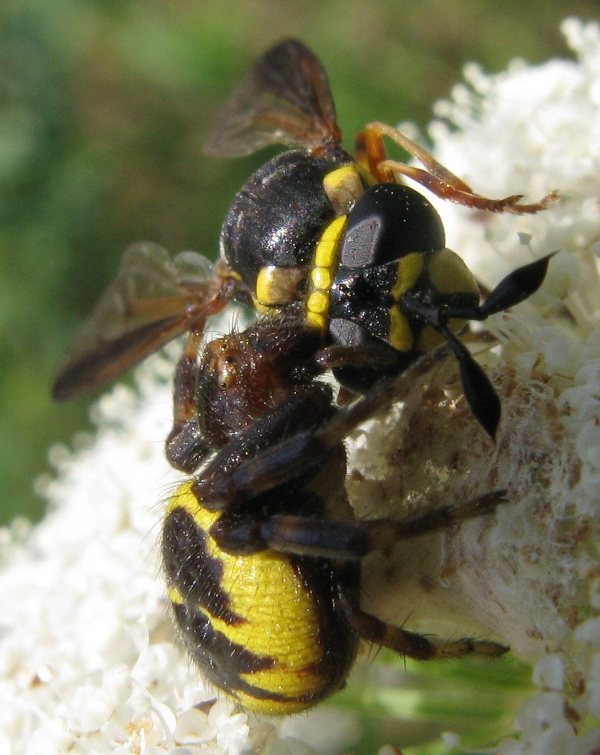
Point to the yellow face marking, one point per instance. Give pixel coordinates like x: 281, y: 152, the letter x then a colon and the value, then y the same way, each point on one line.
x: 449, y: 274
x: 400, y: 336
x: 409, y: 269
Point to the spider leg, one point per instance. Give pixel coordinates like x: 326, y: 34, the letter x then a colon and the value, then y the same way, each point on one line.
x: 410, y: 644
x: 353, y: 540
x: 344, y: 543
x: 296, y: 453
x: 185, y: 446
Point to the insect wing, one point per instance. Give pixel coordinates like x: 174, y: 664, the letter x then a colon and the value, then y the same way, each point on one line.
x: 152, y: 300
x: 284, y: 99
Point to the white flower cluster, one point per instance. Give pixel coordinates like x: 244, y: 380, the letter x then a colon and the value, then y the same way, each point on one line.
x: 87, y: 656
x: 89, y: 661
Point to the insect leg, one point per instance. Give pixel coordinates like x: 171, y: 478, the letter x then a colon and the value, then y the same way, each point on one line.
x: 435, y: 177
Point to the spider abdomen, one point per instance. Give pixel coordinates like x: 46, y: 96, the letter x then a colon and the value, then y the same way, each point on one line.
x: 263, y: 627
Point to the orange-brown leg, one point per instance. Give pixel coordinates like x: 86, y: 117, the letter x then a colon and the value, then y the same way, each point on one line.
x: 434, y: 176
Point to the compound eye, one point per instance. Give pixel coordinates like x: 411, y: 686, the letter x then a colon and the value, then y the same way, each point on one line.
x: 388, y: 222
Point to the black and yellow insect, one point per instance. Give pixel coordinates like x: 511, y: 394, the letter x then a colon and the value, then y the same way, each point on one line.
x: 363, y: 255
x: 317, y: 233
x: 348, y: 271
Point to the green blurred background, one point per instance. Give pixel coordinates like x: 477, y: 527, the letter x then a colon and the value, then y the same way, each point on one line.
x: 104, y: 107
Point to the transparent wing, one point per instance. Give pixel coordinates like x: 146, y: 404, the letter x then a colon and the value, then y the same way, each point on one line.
x: 284, y: 99
x: 152, y: 299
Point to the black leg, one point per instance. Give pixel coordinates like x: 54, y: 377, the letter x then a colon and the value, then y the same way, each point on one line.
x: 295, y: 454
x: 413, y: 645
x: 350, y: 540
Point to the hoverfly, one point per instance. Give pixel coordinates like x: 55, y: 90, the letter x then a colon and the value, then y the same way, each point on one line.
x: 316, y: 233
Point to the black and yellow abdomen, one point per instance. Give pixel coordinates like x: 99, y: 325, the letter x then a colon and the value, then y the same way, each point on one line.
x: 262, y: 627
